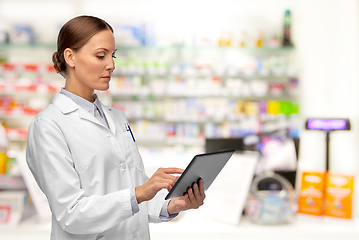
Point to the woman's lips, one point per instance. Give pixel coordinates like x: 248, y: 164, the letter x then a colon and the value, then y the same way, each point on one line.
x: 107, y: 77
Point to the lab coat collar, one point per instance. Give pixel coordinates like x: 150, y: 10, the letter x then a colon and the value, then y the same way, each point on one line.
x: 66, y: 105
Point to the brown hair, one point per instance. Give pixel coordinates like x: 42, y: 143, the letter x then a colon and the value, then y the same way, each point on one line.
x: 74, y: 35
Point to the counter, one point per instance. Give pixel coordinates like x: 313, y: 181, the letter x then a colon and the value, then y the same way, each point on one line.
x: 192, y: 225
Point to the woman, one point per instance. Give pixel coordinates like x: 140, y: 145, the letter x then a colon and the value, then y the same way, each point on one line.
x: 83, y: 154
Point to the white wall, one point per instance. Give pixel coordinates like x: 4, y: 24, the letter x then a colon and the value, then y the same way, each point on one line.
x: 325, y: 33
x: 328, y: 51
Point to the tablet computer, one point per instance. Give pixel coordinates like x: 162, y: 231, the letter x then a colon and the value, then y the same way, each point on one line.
x: 206, y: 166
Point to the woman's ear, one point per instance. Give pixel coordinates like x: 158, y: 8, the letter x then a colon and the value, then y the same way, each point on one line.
x: 69, y: 57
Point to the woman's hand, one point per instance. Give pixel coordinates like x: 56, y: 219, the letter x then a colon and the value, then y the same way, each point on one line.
x: 193, y: 199
x: 161, y: 179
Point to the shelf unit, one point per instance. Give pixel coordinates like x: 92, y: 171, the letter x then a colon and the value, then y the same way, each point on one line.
x: 178, y: 95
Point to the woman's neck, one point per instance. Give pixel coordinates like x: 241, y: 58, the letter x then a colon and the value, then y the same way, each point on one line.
x: 80, y: 90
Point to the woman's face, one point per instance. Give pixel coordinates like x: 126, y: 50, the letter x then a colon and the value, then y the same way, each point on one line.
x: 93, y: 63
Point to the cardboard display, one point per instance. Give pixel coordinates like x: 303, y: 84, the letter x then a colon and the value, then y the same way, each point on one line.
x: 338, y: 195
x: 311, y: 193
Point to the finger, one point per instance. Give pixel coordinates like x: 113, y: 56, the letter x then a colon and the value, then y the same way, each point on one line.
x: 169, y: 183
x: 167, y: 176
x: 192, y: 198
x: 166, y: 173
x: 172, y: 170
x: 198, y: 195
x: 160, y: 174
x: 201, y: 188
x: 187, y: 200
x: 196, y: 192
x: 163, y: 183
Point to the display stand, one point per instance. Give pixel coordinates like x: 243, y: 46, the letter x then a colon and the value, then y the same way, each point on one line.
x: 327, y: 125
x: 337, y: 188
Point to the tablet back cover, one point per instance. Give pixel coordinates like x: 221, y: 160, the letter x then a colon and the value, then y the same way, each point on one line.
x: 206, y: 166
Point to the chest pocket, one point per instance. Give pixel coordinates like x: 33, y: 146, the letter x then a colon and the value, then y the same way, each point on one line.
x: 132, y: 150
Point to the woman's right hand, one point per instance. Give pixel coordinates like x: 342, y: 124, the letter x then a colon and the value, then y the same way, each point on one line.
x: 161, y: 179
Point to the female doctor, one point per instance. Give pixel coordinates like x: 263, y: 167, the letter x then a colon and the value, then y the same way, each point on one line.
x: 83, y: 154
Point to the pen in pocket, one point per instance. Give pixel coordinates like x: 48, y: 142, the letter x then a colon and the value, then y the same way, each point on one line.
x: 128, y: 128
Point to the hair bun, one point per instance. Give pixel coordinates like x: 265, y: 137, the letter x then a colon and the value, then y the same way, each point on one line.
x: 58, y: 65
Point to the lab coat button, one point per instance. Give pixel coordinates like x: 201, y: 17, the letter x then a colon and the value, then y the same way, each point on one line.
x: 135, y: 234
x: 123, y: 166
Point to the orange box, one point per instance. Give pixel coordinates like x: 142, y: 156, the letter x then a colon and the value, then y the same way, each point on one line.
x: 338, y: 195
x: 311, y: 193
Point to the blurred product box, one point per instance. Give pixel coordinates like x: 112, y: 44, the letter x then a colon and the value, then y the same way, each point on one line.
x: 3, y: 162
x: 326, y: 194
x: 311, y: 193
x: 21, y: 34
x: 338, y: 196
x: 12, y: 205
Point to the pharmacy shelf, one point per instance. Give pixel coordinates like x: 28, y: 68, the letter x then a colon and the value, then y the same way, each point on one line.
x: 16, y: 115
x: 170, y: 141
x: 8, y: 46
x: 11, y: 183
x: 284, y: 49
x: 200, y: 74
x: 251, y: 50
x: 149, y: 96
x: 141, y: 95
x: 151, y: 84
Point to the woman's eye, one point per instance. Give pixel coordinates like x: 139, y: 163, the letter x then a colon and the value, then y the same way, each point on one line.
x: 100, y: 57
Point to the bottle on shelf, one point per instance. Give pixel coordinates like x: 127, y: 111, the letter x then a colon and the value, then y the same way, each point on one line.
x: 287, y: 33
x: 260, y: 39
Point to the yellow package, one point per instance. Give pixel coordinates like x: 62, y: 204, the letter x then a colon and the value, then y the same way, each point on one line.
x: 273, y: 107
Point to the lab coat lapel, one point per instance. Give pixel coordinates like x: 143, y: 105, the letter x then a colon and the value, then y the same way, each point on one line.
x: 109, y: 118
x: 87, y: 116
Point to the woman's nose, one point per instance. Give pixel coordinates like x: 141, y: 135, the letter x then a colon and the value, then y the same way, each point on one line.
x: 111, y: 65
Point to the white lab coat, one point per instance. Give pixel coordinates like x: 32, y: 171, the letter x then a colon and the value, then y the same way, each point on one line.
x: 86, y: 171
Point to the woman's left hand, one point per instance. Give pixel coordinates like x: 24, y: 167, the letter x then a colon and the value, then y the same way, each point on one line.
x: 193, y: 199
